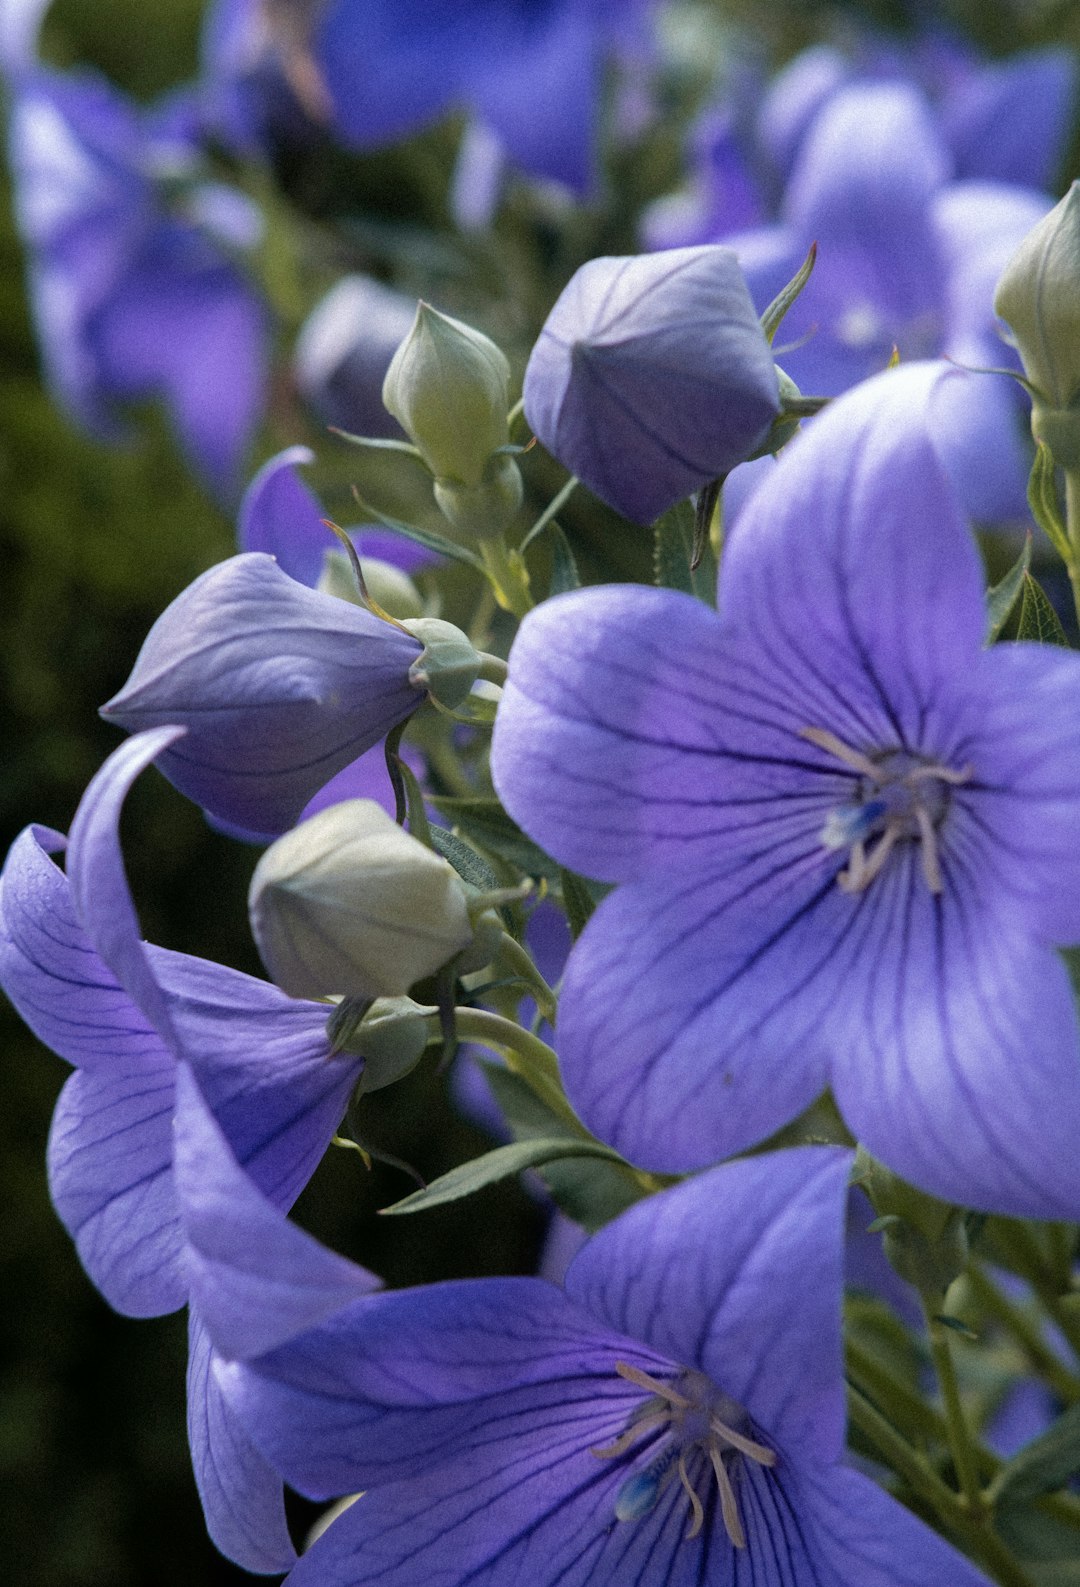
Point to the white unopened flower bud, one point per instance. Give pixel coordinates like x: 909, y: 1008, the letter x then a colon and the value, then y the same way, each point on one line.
x: 448, y: 387
x: 1038, y: 297
x: 349, y: 904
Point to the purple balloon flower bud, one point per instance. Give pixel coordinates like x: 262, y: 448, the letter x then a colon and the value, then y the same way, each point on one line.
x: 344, y: 350
x: 279, y: 687
x: 652, y: 376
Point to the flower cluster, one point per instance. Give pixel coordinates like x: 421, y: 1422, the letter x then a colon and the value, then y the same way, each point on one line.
x: 743, y: 843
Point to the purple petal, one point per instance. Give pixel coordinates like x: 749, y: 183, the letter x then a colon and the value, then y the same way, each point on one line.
x: 979, y: 226
x: 984, y: 442
x: 279, y: 688
x: 255, y: 1278
x: 652, y: 376
x: 279, y: 515
x: 1011, y: 121
x: 793, y: 99
x: 715, y: 1292
x: 366, y: 778
x: 241, y: 1494
x: 344, y: 350
x: 99, y: 890
x: 864, y: 1538
x: 110, y: 1176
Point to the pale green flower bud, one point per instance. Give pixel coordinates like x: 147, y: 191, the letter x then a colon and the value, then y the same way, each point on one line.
x: 448, y: 665
x: 390, y: 588
x: 448, y: 387
x: 1038, y: 297
x: 347, y: 903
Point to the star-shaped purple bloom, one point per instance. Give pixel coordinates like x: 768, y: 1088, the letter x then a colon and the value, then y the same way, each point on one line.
x: 674, y: 1415
x: 845, y: 832
x: 125, y: 1013
x: 279, y: 687
x: 132, y: 294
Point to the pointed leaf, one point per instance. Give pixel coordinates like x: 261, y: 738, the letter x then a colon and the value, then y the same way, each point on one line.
x: 484, y: 821
x: 564, y: 571
x: 1001, y: 599
x: 470, y: 866
x: 781, y: 303
x: 1038, y: 620
x: 423, y: 537
x: 504, y: 1161
x: 1044, y: 1465
x: 579, y: 902
x: 673, y: 553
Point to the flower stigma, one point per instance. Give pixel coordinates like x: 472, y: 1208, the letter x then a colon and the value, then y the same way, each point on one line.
x: 901, y: 797
x: 695, y: 1418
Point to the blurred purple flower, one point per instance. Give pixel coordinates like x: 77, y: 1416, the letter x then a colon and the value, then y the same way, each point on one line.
x: 125, y: 1013
x: 652, y: 376
x: 675, y: 1415
x: 280, y: 687
x: 344, y: 350
x: 845, y: 832
x: 529, y: 70
x: 132, y: 294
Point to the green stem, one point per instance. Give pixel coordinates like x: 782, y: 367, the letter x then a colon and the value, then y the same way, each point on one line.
x: 1064, y: 1383
x: 524, y: 1053
x: 493, y: 669
x: 507, y: 575
x: 1021, y: 1245
x: 554, y: 506
x: 960, y: 1441
x: 518, y: 961
x: 918, y: 1421
x: 926, y: 1483
x: 1072, y: 523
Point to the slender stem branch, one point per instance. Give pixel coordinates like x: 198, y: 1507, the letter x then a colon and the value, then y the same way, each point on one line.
x: 553, y: 508
x: 493, y: 669
x: 516, y: 959
x: 1072, y: 523
x: 917, y: 1419
x: 1064, y: 1383
x: 507, y: 575
x: 524, y: 1053
x: 1020, y: 1242
x: 960, y: 1440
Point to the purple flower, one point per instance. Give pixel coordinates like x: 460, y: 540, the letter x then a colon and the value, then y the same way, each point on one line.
x: 125, y: 1014
x: 133, y: 297
x: 279, y: 687
x: 845, y: 832
x: 344, y: 350
x: 529, y: 69
x: 652, y: 376
x: 675, y: 1415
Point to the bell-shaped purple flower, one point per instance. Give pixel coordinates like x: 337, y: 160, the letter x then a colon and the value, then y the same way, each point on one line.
x: 845, y: 832
x: 127, y: 1015
x: 132, y: 293
x: 673, y: 1415
x: 278, y: 686
x: 344, y: 350
x: 652, y: 376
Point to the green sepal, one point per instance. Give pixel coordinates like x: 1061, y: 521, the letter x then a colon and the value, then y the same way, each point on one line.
x: 1039, y: 622
x: 1044, y: 1465
x: 1042, y: 499
x: 486, y: 823
x: 673, y: 556
x: 470, y: 866
x: 502, y: 1163
x: 423, y: 537
x: 379, y: 444
x: 782, y: 302
x: 1001, y: 598
x: 564, y: 569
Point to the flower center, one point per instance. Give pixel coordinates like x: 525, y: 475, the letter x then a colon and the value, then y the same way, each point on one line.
x: 690, y: 1418
x: 900, y: 796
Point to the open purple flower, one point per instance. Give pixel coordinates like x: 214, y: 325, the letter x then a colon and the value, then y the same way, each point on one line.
x: 125, y: 1013
x: 132, y: 293
x: 652, y: 376
x: 845, y: 832
x: 280, y: 687
x: 675, y: 1415
x: 529, y: 71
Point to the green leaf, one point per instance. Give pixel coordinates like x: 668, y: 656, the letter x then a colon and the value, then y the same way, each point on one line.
x: 470, y: 866
x: 1044, y: 1465
x: 673, y: 550
x: 424, y: 537
x: 503, y: 1162
x: 485, y: 822
x: 589, y: 1190
x: 564, y: 571
x: 1038, y: 619
x: 578, y: 901
x: 774, y: 314
x: 1042, y: 499
x: 1001, y: 599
